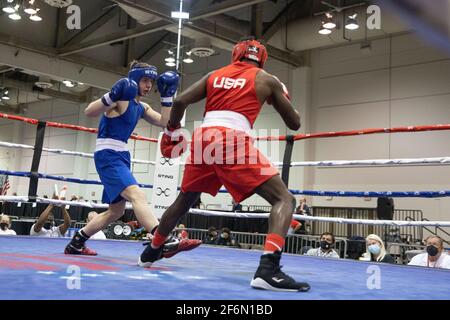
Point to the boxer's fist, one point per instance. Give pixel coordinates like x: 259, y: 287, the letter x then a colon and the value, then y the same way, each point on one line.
x: 167, y: 86
x: 173, y: 142
x: 123, y: 90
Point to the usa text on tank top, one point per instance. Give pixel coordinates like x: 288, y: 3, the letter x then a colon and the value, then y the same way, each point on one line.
x: 121, y: 127
x: 232, y: 88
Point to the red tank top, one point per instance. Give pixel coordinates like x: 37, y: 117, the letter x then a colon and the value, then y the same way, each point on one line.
x: 232, y: 88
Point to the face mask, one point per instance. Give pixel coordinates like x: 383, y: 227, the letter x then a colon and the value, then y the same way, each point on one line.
x: 432, y: 251
x: 325, y: 245
x: 374, y: 249
x: 49, y: 225
x: 3, y: 225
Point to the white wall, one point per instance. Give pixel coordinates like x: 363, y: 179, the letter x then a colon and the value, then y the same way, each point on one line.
x: 402, y: 82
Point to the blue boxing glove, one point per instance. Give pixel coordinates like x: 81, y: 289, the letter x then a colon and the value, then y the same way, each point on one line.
x: 123, y: 90
x: 167, y: 86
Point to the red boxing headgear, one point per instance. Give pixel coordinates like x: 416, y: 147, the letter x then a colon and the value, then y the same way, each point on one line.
x: 250, y: 49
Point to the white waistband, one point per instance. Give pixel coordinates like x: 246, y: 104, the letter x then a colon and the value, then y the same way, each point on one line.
x: 107, y: 143
x: 227, y: 119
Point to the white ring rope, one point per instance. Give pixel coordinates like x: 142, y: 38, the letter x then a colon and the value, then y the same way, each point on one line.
x: 65, y: 152
x: 243, y: 214
x: 326, y: 163
x: 377, y: 162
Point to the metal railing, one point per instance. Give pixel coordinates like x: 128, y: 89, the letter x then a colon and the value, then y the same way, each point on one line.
x: 296, y: 244
x: 407, y: 233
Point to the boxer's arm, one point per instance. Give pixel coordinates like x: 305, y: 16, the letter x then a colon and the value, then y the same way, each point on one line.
x: 193, y: 94
x: 281, y: 104
x: 155, y: 118
x: 96, y: 108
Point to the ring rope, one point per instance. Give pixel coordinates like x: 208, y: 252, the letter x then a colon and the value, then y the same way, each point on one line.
x: 374, y: 194
x: 303, y: 136
x: 326, y: 163
x: 65, y: 152
x: 437, y: 127
x: 398, y: 223
x: 67, y: 126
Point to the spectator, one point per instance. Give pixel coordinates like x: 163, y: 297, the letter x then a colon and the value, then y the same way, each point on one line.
x: 236, y: 206
x: 435, y: 257
x: 181, y: 232
x: 211, y: 237
x: 5, y: 226
x: 303, y: 208
x: 45, y: 225
x: 376, y: 251
x: 73, y: 198
x: 294, y: 227
x: 99, y: 235
x: 226, y: 239
x: 327, y: 242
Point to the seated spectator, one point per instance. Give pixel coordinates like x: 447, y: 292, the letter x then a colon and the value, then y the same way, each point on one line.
x: 181, y: 232
x: 236, y: 206
x: 375, y: 250
x: 211, y: 237
x: 5, y: 226
x: 45, y: 225
x: 99, y: 235
x: 294, y: 227
x: 327, y: 242
x: 435, y: 256
x: 226, y: 239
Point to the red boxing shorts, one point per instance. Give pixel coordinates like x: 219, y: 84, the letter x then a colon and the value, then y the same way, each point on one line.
x: 222, y: 156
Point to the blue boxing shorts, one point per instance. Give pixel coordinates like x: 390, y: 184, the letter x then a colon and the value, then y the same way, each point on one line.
x: 113, y: 168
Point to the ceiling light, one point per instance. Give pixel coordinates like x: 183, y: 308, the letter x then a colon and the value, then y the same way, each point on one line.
x: 30, y: 7
x: 328, y: 22
x: 9, y: 7
x: 5, y: 95
x: 324, y: 31
x: 15, y: 16
x: 68, y: 83
x: 170, y: 64
x: 352, y: 23
x: 35, y: 17
x: 169, y: 59
x: 188, y: 60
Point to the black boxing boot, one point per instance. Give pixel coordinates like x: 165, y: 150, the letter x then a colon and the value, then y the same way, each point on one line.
x: 269, y: 276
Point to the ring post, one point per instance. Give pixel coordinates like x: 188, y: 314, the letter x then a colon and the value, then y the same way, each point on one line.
x: 34, y: 176
x: 287, y: 159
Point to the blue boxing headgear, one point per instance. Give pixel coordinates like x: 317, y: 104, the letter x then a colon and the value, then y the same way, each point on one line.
x: 137, y: 73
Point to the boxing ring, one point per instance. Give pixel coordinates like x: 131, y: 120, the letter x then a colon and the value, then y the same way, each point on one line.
x: 36, y: 268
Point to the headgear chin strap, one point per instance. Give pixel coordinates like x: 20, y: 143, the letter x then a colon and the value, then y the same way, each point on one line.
x: 137, y: 73
x: 250, y: 49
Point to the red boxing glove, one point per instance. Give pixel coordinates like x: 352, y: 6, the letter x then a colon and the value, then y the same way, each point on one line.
x: 285, y: 92
x: 173, y: 143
